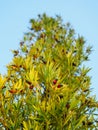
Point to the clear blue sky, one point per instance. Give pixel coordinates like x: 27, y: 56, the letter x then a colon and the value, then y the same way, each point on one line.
x: 15, y: 16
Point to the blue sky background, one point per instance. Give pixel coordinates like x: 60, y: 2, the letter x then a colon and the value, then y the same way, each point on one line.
x: 14, y: 22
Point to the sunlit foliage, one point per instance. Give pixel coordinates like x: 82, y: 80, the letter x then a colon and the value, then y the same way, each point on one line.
x: 47, y: 86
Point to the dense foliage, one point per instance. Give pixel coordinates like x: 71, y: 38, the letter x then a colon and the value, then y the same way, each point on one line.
x: 47, y: 87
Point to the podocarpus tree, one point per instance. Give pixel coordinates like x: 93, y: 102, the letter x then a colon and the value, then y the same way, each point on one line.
x: 47, y: 87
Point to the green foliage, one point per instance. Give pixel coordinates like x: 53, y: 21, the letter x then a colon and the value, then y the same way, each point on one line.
x: 47, y: 87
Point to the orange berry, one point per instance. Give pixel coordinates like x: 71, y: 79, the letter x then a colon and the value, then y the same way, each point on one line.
x: 13, y: 91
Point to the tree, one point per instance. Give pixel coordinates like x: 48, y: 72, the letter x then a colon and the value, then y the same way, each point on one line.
x: 47, y: 86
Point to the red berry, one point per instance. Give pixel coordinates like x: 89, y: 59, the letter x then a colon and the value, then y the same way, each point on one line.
x: 21, y: 91
x: 67, y: 105
x: 54, y: 81
x: 31, y: 87
x: 28, y: 82
x: 59, y: 85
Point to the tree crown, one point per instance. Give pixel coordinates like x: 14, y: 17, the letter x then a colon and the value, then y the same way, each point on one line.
x: 46, y: 85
